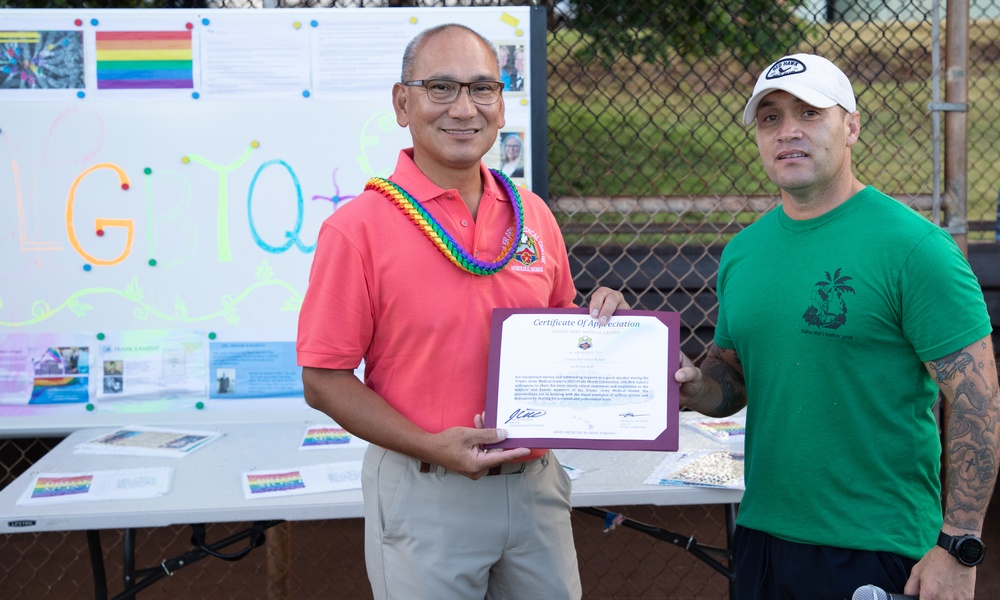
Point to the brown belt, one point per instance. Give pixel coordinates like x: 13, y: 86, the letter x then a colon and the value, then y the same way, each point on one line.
x: 507, y: 468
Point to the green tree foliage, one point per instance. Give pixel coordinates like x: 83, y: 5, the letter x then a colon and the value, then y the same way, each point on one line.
x: 753, y: 31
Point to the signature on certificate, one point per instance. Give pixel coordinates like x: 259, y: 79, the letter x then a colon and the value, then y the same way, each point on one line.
x: 524, y: 413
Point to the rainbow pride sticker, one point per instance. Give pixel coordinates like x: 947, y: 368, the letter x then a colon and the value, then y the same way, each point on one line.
x: 52, y: 487
x: 325, y: 436
x: 275, y: 482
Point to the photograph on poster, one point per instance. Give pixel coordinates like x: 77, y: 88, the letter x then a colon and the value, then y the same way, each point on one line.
x: 41, y: 60
x: 61, y: 375
x: 512, y: 66
x: 512, y: 154
x: 226, y: 379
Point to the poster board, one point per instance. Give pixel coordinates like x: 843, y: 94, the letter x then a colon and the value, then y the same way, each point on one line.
x: 163, y: 178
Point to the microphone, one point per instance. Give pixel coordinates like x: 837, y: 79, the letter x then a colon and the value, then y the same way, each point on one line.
x: 871, y: 592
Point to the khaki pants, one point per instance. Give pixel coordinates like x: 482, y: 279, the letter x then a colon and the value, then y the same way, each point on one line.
x: 441, y: 536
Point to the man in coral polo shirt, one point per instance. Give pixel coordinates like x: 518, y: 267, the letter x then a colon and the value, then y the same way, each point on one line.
x: 406, y: 276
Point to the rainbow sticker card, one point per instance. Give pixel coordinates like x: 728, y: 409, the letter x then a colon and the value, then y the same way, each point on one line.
x: 293, y: 481
x: 729, y: 429
x: 331, y: 436
x: 119, y: 484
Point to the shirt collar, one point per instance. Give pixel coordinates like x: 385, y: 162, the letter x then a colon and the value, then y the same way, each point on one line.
x: 413, y: 180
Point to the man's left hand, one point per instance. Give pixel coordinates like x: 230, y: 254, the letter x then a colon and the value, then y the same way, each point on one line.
x: 604, y: 302
x: 938, y: 576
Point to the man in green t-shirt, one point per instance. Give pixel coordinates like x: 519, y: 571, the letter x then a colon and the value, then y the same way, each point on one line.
x: 842, y: 314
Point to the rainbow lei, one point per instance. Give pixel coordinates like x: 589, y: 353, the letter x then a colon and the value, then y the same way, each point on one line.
x: 441, y: 238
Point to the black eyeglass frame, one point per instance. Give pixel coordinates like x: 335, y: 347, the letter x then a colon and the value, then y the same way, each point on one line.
x: 425, y: 83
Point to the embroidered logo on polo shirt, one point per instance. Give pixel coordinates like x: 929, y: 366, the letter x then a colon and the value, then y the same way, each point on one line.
x: 530, y: 253
x: 527, y: 251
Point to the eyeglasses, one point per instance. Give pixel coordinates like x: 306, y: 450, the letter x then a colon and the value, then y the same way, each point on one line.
x: 446, y: 91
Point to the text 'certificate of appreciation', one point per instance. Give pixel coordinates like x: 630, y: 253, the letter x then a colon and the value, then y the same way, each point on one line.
x: 560, y: 379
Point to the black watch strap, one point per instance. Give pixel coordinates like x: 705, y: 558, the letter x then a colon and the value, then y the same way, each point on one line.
x: 969, y: 550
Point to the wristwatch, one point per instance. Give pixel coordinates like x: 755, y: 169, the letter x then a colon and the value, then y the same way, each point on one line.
x: 968, y: 549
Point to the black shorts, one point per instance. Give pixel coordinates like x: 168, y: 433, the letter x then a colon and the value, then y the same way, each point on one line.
x: 771, y: 568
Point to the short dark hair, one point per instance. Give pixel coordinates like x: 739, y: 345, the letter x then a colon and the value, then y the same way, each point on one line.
x: 410, y: 54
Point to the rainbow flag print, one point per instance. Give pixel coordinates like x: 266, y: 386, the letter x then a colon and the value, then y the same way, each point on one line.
x: 275, y: 482
x: 326, y: 436
x: 132, y: 60
x: 50, y: 487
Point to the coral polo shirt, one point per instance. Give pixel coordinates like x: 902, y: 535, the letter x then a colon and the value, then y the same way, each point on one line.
x: 379, y: 289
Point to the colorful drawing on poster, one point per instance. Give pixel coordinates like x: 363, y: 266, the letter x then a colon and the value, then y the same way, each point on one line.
x: 326, y: 436
x: 275, y: 482
x: 50, y: 487
x: 41, y: 60
x: 143, y: 60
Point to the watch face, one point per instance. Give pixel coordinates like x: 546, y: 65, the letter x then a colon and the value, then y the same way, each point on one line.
x: 970, y: 551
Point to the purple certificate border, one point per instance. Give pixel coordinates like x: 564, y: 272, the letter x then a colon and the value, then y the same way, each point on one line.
x: 667, y: 441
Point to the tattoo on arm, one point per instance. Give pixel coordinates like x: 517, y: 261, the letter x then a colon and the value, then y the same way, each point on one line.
x: 724, y: 366
x: 968, y: 379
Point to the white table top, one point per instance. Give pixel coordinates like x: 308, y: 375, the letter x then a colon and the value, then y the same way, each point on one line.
x: 206, y: 486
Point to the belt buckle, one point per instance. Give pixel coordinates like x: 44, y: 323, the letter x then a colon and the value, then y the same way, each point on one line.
x: 501, y: 469
x: 508, y: 469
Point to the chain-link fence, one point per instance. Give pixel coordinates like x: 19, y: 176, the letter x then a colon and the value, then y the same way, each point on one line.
x: 652, y: 170
x: 650, y: 173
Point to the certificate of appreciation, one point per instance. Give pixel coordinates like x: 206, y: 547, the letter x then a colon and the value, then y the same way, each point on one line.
x: 560, y: 379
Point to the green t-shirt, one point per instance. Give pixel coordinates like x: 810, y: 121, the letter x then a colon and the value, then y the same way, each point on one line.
x: 832, y: 319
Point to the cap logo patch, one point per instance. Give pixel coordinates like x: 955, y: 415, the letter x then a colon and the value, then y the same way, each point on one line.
x: 782, y: 68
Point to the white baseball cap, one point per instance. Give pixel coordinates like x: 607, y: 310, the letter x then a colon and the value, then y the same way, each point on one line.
x: 810, y: 78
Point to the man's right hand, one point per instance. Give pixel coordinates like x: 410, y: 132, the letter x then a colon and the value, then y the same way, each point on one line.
x: 460, y: 449
x: 691, y: 380
x: 717, y: 389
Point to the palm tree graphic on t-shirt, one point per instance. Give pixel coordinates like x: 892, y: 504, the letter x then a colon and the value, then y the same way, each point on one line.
x: 828, y: 309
